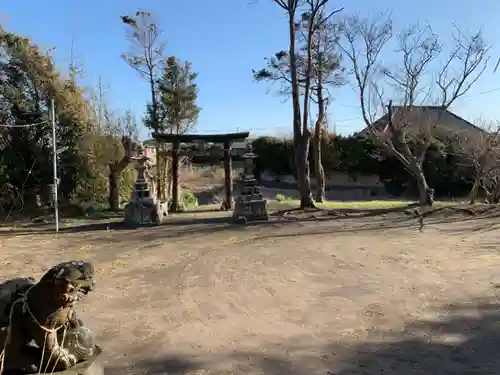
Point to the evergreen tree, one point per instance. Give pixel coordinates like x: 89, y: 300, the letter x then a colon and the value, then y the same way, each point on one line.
x: 177, y: 94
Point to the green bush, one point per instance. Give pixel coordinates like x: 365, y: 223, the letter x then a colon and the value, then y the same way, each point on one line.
x: 273, y: 154
x: 280, y: 198
x: 359, y: 155
x: 189, y: 200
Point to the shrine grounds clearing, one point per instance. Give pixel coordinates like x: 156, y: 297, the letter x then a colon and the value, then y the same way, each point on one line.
x: 348, y: 292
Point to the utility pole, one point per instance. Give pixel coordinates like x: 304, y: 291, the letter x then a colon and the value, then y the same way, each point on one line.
x: 54, y: 164
x: 99, y: 117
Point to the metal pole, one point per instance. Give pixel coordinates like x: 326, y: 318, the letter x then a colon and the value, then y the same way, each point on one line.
x: 54, y: 164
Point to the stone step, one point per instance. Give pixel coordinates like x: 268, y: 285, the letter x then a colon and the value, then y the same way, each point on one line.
x: 251, y: 190
x: 250, y: 182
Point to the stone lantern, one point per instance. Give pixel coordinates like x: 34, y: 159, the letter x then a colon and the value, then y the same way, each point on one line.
x: 250, y: 205
x: 143, y: 208
x: 249, y: 166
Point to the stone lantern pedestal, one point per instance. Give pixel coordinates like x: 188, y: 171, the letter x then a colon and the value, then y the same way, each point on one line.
x: 250, y: 205
x: 143, y: 208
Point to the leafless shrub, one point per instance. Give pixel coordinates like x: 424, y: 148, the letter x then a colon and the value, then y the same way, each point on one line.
x: 481, y: 152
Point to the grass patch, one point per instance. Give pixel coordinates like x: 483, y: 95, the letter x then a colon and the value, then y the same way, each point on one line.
x: 280, y: 198
x: 361, y: 204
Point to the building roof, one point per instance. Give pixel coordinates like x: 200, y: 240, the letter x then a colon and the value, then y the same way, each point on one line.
x: 436, y: 115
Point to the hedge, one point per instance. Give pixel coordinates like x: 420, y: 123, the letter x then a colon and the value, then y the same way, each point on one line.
x: 358, y: 155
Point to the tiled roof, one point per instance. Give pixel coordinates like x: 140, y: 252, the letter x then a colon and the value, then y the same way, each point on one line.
x: 435, y: 115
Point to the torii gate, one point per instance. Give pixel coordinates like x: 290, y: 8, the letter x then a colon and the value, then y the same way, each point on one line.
x: 177, y: 139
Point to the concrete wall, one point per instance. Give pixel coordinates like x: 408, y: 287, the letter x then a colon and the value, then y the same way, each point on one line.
x: 335, y: 179
x: 339, y: 186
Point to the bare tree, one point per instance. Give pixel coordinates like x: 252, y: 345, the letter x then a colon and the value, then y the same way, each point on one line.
x: 491, y: 185
x: 481, y: 153
x: 146, y: 56
x: 114, y: 136
x: 128, y: 128
x: 309, y: 13
x: 405, y: 130
x: 300, y: 134
x: 327, y: 72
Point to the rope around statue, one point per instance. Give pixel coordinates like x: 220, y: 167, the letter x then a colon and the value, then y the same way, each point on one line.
x: 24, y: 301
x: 78, y: 279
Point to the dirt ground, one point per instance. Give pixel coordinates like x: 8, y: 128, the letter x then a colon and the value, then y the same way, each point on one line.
x: 297, y: 295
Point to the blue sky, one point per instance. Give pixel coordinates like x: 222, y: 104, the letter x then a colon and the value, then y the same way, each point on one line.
x: 225, y: 40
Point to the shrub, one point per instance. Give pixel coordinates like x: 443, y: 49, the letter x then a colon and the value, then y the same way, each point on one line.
x: 280, y: 198
x: 189, y: 200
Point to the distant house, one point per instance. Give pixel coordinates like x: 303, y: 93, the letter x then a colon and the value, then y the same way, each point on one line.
x: 421, y: 116
x: 150, y: 149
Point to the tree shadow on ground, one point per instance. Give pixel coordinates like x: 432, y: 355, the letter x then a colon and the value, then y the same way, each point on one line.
x: 463, y: 341
x: 170, y: 365
x: 50, y: 229
x: 45, y: 216
x: 342, y: 220
x: 281, y: 227
x: 201, y: 211
x: 45, y: 224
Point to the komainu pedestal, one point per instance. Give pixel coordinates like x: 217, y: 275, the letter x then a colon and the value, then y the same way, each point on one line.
x: 250, y: 205
x: 143, y: 208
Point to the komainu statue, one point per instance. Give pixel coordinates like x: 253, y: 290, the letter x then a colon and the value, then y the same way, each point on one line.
x: 39, y: 330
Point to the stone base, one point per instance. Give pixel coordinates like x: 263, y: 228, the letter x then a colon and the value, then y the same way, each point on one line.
x: 251, y: 210
x: 93, y: 366
x: 145, y: 213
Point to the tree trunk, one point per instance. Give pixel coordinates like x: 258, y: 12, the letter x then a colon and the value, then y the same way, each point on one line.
x: 162, y: 192
x: 300, y: 140
x: 474, y: 191
x: 306, y: 199
x: 492, y: 192
x: 426, y: 194
x: 114, y: 189
x: 168, y: 179
x: 319, y: 172
x: 496, y: 195
x: 175, y: 203
x: 303, y: 180
x: 29, y: 202
x: 228, y: 177
x: 115, y: 177
x: 159, y: 184
x: 156, y: 128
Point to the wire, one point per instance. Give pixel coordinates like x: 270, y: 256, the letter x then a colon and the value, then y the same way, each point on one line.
x: 23, y: 126
x: 484, y: 92
x: 237, y: 129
